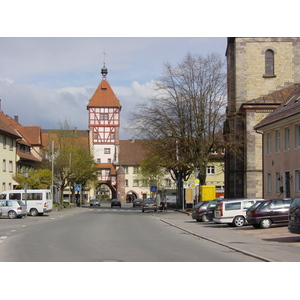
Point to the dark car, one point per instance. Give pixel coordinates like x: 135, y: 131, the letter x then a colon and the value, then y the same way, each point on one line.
x: 264, y: 213
x: 115, y: 202
x: 294, y: 216
x: 137, y: 202
x: 94, y: 202
x: 199, y: 211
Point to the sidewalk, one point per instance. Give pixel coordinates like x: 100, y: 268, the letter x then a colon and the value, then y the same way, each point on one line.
x: 273, y: 245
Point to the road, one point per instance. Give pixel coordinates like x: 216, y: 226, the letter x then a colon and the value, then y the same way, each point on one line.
x: 105, y: 234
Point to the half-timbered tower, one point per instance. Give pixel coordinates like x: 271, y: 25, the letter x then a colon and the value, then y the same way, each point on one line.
x: 104, y: 122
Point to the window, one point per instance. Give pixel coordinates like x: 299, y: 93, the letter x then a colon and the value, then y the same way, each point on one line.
x: 4, y: 165
x: 297, y: 136
x: 103, y: 116
x: 167, y: 182
x: 98, y: 160
x: 247, y: 204
x: 269, y: 63
x: 106, y: 150
x: 4, y: 142
x: 135, y: 183
x: 125, y: 170
x: 135, y: 170
x: 287, y: 139
x: 277, y: 141
x: 297, y: 181
x: 126, y: 182
x: 269, y: 140
x: 233, y: 206
x: 277, y: 182
x: 10, y: 166
x: 269, y: 183
x: 210, y: 170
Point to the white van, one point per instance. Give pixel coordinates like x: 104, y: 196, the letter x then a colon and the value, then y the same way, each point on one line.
x: 233, y: 212
x: 38, y: 201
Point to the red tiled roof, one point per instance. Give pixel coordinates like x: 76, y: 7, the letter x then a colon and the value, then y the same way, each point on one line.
x: 31, y: 133
x: 131, y: 152
x: 104, y: 96
x: 275, y: 97
x: 290, y: 107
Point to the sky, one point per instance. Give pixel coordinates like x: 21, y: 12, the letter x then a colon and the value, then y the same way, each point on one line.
x: 49, y: 80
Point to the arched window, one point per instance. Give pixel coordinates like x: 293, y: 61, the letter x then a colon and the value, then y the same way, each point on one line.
x: 269, y: 62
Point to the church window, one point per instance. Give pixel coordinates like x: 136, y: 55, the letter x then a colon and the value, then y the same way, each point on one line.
x: 269, y: 63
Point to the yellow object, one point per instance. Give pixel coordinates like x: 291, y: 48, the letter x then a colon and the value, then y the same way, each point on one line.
x: 208, y: 192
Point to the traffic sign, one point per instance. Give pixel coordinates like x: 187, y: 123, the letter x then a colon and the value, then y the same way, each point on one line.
x: 153, y: 189
x: 77, y: 187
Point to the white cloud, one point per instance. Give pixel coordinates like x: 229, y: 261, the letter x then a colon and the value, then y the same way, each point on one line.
x: 47, y: 107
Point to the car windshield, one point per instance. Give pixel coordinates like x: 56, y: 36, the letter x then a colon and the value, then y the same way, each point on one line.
x: 20, y: 202
x: 295, y: 202
x: 255, y: 205
x: 149, y: 201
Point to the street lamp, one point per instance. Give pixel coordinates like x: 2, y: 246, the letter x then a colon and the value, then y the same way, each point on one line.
x: 196, y: 174
x: 25, y: 173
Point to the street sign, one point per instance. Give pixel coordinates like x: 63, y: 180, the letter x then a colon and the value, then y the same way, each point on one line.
x: 77, y: 187
x: 197, y: 181
x: 153, y: 189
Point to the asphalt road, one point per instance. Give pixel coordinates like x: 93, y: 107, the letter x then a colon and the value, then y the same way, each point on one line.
x: 105, y: 235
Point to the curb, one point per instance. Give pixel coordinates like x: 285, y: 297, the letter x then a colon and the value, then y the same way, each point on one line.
x: 219, y: 243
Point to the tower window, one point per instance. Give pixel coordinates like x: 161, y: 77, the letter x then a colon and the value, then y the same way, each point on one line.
x: 269, y: 63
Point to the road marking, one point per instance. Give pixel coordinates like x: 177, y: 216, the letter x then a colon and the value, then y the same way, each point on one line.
x: 3, y: 237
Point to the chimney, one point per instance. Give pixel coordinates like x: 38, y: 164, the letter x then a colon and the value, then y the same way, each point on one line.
x: 16, y: 118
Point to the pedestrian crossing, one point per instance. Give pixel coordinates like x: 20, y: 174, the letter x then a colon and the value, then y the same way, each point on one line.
x: 116, y: 210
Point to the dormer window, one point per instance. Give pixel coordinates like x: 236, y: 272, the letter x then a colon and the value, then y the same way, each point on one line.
x: 269, y: 63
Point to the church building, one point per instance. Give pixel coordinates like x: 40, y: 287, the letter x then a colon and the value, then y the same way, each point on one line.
x: 261, y: 74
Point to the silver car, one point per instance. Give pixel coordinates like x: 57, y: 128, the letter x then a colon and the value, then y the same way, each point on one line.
x: 13, y: 208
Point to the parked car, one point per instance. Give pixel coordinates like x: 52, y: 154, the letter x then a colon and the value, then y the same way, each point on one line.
x: 264, y: 213
x: 94, y: 202
x: 13, y: 208
x: 115, y: 202
x: 0, y: 211
x: 232, y: 211
x: 148, y: 205
x: 137, y: 202
x: 294, y: 216
x: 199, y: 211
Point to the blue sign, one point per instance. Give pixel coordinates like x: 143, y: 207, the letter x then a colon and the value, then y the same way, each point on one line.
x: 153, y: 189
x: 77, y: 187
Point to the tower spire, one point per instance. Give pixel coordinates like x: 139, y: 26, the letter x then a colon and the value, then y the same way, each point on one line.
x: 104, y: 70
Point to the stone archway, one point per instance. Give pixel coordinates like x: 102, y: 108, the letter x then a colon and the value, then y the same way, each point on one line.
x: 105, y: 190
x: 130, y: 196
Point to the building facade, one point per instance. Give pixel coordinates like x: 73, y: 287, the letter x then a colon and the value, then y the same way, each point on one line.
x: 259, y: 73
x: 281, y: 149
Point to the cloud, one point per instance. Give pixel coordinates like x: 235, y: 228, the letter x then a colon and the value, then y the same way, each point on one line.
x: 46, y: 107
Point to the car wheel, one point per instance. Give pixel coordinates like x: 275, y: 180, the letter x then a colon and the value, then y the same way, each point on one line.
x: 34, y: 212
x: 12, y: 214
x: 204, y: 218
x: 238, y: 221
x: 265, y: 223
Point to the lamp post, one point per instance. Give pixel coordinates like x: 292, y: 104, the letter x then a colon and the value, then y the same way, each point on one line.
x: 196, y: 174
x: 25, y: 187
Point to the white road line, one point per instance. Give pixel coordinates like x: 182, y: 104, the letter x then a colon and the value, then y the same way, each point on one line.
x: 3, y: 237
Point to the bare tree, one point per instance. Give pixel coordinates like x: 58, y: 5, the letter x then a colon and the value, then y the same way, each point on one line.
x: 186, y: 114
